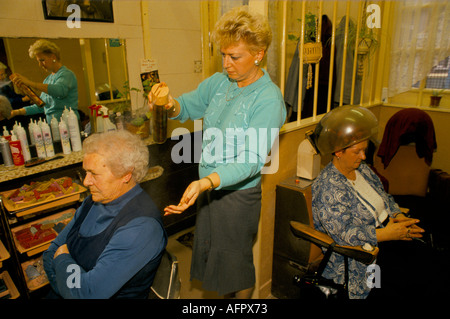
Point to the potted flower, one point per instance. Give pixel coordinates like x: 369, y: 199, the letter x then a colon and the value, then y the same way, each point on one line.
x: 367, y: 44
x: 312, y: 50
x: 367, y: 41
x: 435, y: 98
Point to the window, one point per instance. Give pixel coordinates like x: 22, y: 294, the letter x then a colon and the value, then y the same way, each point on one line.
x: 438, y: 77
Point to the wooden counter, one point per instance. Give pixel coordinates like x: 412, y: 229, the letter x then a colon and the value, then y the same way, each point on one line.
x: 14, y: 172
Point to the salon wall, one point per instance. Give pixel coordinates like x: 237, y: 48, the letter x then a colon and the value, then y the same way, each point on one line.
x: 441, y: 120
x: 25, y: 18
x: 263, y: 249
x: 173, y: 40
x: 167, y: 31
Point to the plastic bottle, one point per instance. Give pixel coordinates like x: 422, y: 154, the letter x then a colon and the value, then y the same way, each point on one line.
x: 74, y: 131
x: 48, y: 142
x: 107, y: 124
x: 65, y: 115
x: 6, y: 134
x: 16, y: 151
x: 22, y: 136
x: 30, y: 131
x: 6, y: 152
x: 15, y: 126
x: 99, y: 120
x: 55, y: 129
x: 120, y: 122
x: 65, y: 137
x: 39, y: 141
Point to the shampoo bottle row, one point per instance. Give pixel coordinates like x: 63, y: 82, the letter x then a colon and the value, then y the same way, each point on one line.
x: 14, y: 146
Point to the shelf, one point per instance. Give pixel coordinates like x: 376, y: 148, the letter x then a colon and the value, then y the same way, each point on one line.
x: 34, y: 273
x: 40, y: 228
x: 55, y: 199
x: 12, y: 292
x: 4, y: 254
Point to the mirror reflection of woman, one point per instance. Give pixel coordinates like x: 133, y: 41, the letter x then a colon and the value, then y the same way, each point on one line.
x: 59, y: 89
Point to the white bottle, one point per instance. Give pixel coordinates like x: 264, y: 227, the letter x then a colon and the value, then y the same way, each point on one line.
x: 65, y: 115
x: 22, y: 136
x: 74, y: 131
x: 65, y: 137
x: 99, y: 121
x: 39, y: 141
x: 6, y: 134
x: 55, y: 129
x: 15, y: 126
x: 30, y: 131
x: 48, y: 142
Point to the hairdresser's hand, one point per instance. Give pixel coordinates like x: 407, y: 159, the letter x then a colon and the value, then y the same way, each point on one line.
x: 191, y: 193
x: 189, y: 197
x: 17, y: 112
x: 19, y: 79
x: 172, y: 106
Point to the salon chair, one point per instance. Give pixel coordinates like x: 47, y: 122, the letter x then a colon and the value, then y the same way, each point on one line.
x: 166, y: 284
x: 406, y: 152
x: 291, y: 255
x: 404, y: 158
x: 312, y: 283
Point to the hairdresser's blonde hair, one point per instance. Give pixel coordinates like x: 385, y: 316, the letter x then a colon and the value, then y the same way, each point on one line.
x: 241, y: 24
x: 46, y: 47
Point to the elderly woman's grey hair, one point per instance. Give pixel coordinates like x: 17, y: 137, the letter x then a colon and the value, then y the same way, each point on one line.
x: 46, y: 47
x: 124, y: 152
x: 5, y: 108
x: 241, y: 24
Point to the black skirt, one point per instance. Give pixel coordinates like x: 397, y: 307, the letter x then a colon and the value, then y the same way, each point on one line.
x: 225, y: 230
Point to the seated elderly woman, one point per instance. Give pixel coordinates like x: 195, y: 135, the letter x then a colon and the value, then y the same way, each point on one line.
x: 116, y: 238
x: 348, y: 199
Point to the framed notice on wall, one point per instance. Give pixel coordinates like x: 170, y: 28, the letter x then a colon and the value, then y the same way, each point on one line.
x: 86, y: 10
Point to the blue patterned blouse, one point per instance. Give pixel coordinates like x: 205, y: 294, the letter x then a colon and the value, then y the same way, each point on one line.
x: 339, y: 212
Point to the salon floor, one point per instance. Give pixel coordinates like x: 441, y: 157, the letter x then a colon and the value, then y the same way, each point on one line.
x: 189, y: 289
x: 193, y: 290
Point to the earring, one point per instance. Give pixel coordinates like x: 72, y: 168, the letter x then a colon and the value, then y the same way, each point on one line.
x: 257, y: 62
x: 54, y: 61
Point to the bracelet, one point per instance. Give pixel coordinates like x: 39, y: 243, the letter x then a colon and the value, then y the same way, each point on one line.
x: 211, y: 182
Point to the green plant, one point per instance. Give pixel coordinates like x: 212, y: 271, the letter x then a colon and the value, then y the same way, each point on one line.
x: 126, y: 105
x: 310, y: 29
x: 367, y: 37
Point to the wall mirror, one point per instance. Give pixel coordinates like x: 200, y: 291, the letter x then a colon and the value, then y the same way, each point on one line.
x: 99, y: 65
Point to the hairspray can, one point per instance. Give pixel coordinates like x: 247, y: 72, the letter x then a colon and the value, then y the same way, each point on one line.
x: 16, y: 151
x: 6, y: 152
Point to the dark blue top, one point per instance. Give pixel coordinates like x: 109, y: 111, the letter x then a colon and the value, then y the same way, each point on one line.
x: 125, y: 238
